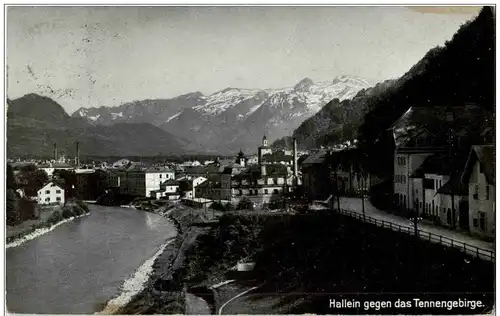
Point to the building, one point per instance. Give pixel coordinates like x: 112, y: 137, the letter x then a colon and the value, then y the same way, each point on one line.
x: 315, y: 176
x: 50, y: 193
x: 216, y: 187
x: 424, y: 131
x: 51, y: 167
x: 260, y: 187
x: 437, y: 192
x: 196, y: 182
x: 454, y: 202
x: 169, y: 190
x: 346, y: 166
x: 479, y: 175
x: 140, y: 181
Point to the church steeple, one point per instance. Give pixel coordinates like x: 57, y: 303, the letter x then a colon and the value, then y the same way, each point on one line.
x: 241, y: 158
x: 264, y: 141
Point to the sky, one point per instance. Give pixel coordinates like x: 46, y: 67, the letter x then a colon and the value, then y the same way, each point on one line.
x: 106, y: 56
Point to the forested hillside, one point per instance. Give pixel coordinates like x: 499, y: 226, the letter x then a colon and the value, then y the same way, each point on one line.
x: 460, y: 72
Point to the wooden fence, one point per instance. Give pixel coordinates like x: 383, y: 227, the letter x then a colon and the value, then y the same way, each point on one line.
x: 442, y: 240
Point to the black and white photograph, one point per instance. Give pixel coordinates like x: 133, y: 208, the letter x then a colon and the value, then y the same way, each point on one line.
x: 250, y: 159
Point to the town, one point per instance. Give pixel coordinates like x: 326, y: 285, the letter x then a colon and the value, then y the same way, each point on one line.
x: 165, y: 163
x: 439, y: 176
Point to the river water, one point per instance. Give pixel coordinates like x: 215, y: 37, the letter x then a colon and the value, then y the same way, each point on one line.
x: 80, y: 265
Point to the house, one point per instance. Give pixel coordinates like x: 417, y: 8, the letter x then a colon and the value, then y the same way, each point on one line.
x: 50, y: 193
x: 51, y: 167
x: 168, y: 189
x: 112, y: 179
x: 196, y: 182
x: 437, y: 192
x: 315, y: 176
x: 261, y: 184
x: 424, y: 131
x: 140, y: 181
x: 454, y: 202
x: 346, y: 167
x: 479, y: 175
x: 217, y: 186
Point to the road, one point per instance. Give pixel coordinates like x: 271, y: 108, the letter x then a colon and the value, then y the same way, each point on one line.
x: 80, y: 265
x: 354, y: 204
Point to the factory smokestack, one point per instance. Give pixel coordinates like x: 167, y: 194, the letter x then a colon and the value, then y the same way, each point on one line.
x: 295, y: 167
x: 77, y: 157
x: 55, y: 151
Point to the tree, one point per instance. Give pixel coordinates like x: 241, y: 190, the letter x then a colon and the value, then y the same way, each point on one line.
x: 70, y: 181
x: 12, y: 209
x: 11, y: 180
x: 33, y: 178
x: 245, y: 204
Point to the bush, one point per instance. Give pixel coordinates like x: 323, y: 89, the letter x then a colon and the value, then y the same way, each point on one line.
x: 55, y: 218
x: 83, y: 206
x: 229, y: 207
x: 68, y: 211
x: 218, y: 206
x: 245, y: 204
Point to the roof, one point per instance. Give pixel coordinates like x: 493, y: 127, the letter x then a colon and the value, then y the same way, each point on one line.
x: 454, y: 185
x: 171, y: 182
x: 212, y: 181
x: 485, y: 154
x: 55, y: 165
x: 316, y: 158
x: 277, y: 156
x: 441, y: 164
x: 435, y: 121
x: 158, y: 170
x: 54, y: 183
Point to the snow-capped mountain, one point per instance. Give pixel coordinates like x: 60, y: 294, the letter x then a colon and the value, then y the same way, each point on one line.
x: 232, y: 118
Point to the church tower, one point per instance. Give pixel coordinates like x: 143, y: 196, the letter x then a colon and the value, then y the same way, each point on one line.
x: 241, y: 158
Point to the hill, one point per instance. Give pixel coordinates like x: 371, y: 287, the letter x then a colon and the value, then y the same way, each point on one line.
x: 35, y: 122
x: 460, y: 72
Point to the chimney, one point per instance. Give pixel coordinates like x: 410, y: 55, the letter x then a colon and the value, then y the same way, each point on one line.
x: 55, y: 151
x: 77, y: 158
x: 295, y: 167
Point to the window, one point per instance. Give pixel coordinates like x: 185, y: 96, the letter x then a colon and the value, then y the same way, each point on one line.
x: 58, y: 199
x: 482, y: 221
x: 58, y: 191
x: 429, y: 184
x: 160, y: 175
x: 240, y: 192
x: 275, y: 191
x: 47, y: 191
x: 265, y: 191
x: 476, y: 193
x: 487, y: 192
x: 475, y: 222
x: 47, y: 199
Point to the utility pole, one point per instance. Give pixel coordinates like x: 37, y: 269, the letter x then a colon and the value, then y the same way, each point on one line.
x: 337, y: 189
x: 363, y: 197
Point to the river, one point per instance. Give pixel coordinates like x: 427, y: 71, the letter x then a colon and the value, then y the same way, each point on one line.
x: 80, y: 265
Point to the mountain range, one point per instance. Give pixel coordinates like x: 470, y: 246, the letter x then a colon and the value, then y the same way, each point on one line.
x: 230, y: 119
x: 35, y: 123
x: 458, y: 73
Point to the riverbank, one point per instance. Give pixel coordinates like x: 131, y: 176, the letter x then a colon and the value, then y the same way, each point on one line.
x: 163, y: 292
x: 48, y: 221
